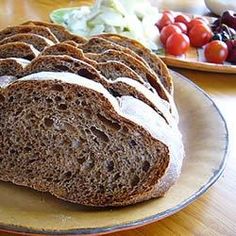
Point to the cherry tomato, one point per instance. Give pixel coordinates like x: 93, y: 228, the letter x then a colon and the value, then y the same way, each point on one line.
x: 195, y: 21
x: 177, y: 44
x: 166, y: 19
x: 183, y: 19
x: 216, y: 51
x: 200, y: 35
x: 167, y: 31
x: 182, y: 27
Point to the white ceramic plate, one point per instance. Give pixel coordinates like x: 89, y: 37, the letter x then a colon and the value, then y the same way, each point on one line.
x: 206, y: 141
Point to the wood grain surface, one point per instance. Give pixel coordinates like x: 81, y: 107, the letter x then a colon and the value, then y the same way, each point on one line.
x: 215, y: 212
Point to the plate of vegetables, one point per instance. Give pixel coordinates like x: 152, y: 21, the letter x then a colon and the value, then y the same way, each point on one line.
x: 181, y: 40
x: 196, y: 42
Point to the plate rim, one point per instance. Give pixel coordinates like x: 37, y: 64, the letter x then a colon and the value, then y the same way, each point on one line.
x: 147, y: 220
x: 198, y: 65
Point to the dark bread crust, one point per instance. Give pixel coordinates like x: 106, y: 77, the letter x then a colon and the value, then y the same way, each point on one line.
x: 152, y: 59
x: 19, y: 50
x: 28, y: 29
x: 38, y: 42
x: 59, y: 31
x: 69, y: 181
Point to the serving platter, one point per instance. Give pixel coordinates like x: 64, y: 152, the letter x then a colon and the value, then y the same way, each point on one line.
x: 195, y: 60
x: 205, y: 139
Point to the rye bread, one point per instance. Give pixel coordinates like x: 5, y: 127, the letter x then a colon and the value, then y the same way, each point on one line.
x: 141, y: 69
x: 66, y: 49
x: 116, y: 86
x: 95, y: 97
x: 59, y: 31
x: 75, y: 141
x: 28, y: 29
x: 99, y: 45
x: 151, y: 58
x: 18, y: 50
x: 39, y: 42
x: 113, y: 65
x: 111, y: 69
x: 11, y: 69
x: 12, y: 66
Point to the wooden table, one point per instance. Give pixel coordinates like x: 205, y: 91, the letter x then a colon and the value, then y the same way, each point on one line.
x: 215, y: 212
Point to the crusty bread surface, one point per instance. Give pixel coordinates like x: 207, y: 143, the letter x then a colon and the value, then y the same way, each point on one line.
x: 91, y: 121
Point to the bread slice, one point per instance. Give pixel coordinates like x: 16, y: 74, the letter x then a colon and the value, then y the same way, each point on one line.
x: 152, y: 59
x: 99, y: 45
x: 28, y: 29
x: 37, y: 41
x: 73, y: 139
x: 118, y: 64
x: 117, y: 87
x: 111, y: 69
x: 18, y: 49
x: 66, y: 49
x: 150, y: 78
x: 12, y: 66
x: 59, y: 31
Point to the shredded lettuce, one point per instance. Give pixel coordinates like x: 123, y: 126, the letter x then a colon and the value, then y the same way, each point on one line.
x: 132, y: 18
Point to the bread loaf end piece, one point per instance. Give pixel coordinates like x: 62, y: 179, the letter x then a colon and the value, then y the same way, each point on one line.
x: 68, y: 139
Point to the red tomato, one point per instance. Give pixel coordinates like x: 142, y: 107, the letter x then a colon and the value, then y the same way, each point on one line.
x: 167, y: 31
x: 195, y: 21
x: 183, y: 19
x: 166, y: 19
x: 177, y: 44
x: 200, y: 35
x: 216, y: 51
x: 182, y: 27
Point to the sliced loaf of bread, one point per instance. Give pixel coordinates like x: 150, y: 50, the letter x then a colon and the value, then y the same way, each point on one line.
x: 83, y: 121
x: 93, y: 149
